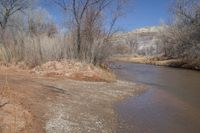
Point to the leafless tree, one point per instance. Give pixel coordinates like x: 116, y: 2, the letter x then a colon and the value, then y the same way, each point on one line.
x: 40, y: 22
x: 9, y: 8
x: 88, y: 24
x: 181, y: 38
x: 132, y: 42
x: 32, y: 37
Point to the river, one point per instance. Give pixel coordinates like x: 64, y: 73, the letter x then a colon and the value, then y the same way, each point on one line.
x: 170, y: 104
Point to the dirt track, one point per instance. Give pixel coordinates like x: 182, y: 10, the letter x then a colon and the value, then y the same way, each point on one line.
x: 52, y: 105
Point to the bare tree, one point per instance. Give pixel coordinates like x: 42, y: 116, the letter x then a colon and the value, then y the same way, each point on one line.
x: 186, y: 12
x: 9, y: 8
x: 132, y: 42
x: 87, y: 22
x: 181, y: 38
x: 40, y: 22
x: 29, y: 34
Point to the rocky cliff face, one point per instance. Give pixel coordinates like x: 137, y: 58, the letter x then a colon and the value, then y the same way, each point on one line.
x: 143, y: 41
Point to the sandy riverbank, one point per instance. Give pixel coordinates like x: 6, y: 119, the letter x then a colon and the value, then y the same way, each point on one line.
x: 40, y: 104
x: 158, y: 60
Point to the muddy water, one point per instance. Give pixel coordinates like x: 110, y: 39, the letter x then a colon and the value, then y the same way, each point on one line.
x: 171, y: 103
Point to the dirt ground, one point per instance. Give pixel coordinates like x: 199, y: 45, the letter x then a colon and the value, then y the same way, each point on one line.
x: 36, y: 104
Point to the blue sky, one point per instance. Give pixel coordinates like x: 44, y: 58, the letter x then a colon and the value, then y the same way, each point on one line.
x: 139, y: 13
x: 146, y: 13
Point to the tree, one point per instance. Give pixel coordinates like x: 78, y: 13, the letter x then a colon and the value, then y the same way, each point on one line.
x: 40, y: 22
x: 88, y: 23
x: 9, y: 8
x: 181, y: 38
x: 132, y: 42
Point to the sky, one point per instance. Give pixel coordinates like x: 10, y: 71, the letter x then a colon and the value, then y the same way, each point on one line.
x: 139, y: 13
x: 146, y: 13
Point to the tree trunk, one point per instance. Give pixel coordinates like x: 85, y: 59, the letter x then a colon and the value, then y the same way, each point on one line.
x: 78, y: 42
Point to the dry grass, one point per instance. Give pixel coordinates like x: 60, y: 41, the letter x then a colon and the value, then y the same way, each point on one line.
x: 71, y: 69
x: 74, y: 70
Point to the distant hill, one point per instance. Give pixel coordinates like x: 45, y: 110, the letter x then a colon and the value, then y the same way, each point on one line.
x: 145, y: 40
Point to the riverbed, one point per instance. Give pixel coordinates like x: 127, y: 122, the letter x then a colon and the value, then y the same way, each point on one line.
x: 171, y: 103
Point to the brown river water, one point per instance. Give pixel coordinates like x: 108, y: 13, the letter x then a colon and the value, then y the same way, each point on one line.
x: 171, y: 103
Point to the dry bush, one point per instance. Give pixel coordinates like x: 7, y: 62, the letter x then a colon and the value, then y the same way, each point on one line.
x: 38, y: 49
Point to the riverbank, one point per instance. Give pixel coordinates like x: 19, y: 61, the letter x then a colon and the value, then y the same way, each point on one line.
x: 35, y: 103
x: 158, y: 60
